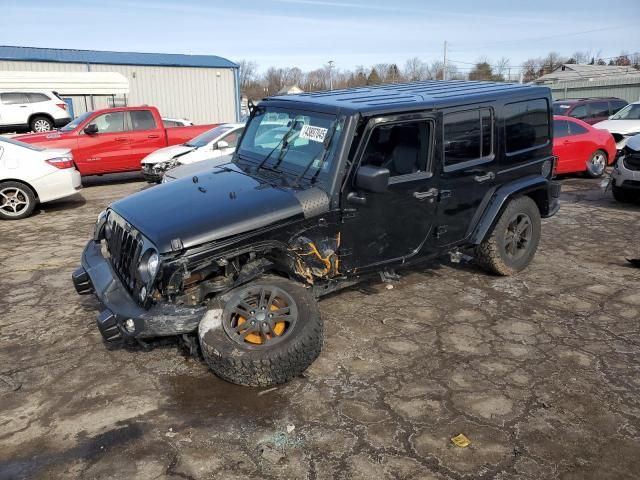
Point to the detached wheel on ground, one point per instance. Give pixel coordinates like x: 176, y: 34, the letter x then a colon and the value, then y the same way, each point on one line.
x: 622, y: 195
x: 17, y: 200
x: 41, y: 124
x: 597, y: 164
x: 266, y: 333
x: 513, y: 241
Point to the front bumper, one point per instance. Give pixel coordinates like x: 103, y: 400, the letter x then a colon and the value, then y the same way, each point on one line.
x: 553, y: 199
x: 624, y: 177
x: 150, y: 174
x: 96, y: 276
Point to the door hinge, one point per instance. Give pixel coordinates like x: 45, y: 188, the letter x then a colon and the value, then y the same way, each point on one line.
x: 441, y: 230
x: 349, y: 213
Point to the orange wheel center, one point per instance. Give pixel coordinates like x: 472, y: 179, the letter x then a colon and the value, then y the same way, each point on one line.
x: 255, y: 338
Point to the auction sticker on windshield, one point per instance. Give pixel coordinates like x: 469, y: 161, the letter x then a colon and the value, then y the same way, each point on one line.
x: 315, y: 134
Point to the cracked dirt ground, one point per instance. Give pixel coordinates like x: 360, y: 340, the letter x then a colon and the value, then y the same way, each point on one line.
x: 540, y: 371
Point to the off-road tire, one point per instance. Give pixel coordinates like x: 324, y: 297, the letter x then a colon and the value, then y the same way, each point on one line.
x: 26, y: 194
x: 270, y: 365
x: 621, y: 195
x: 491, y: 254
x: 40, y: 120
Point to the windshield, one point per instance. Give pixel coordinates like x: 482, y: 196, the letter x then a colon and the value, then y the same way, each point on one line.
x: 292, y: 141
x: 630, y: 112
x: 208, y: 136
x: 76, y: 121
x: 20, y: 144
x: 560, y: 108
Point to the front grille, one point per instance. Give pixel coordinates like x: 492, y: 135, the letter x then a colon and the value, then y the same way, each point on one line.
x: 125, y: 247
x: 632, y: 162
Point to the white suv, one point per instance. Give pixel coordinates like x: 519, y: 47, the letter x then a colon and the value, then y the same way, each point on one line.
x: 36, y: 110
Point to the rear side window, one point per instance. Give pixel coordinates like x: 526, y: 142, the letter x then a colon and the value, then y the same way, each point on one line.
x: 13, y: 98
x: 37, y: 97
x: 142, y: 120
x: 467, y: 136
x: 560, y: 128
x: 616, y: 105
x: 579, y: 112
x: 599, y: 109
x: 575, y: 129
x: 526, y: 125
x: 170, y: 123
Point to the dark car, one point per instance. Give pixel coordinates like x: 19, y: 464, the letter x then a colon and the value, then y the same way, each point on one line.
x: 232, y: 258
x: 589, y: 110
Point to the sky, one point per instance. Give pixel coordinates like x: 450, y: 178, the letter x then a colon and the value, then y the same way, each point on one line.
x: 309, y: 33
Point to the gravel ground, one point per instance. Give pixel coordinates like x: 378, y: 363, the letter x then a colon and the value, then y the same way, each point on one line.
x: 540, y: 371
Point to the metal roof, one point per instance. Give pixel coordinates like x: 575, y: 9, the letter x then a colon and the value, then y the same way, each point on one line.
x: 34, y: 54
x: 411, y: 95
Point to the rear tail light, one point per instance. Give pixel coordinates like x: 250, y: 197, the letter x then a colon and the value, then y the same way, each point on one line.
x: 61, y: 162
x: 62, y: 105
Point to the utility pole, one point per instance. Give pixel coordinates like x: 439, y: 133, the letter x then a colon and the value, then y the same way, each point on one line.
x: 331, y: 62
x: 444, y: 65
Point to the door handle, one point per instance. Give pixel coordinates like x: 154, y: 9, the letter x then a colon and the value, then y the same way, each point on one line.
x: 432, y: 193
x: 356, y: 198
x: 153, y: 136
x: 484, y: 178
x: 23, y: 106
x: 121, y: 139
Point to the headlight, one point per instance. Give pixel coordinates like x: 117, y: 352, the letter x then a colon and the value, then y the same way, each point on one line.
x: 166, y: 165
x: 100, y: 222
x: 149, y: 264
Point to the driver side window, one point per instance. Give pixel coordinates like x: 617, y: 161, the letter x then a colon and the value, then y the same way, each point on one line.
x: 402, y: 148
x: 110, y: 122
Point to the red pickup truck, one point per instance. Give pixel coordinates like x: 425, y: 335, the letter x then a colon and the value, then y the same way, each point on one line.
x: 114, y: 139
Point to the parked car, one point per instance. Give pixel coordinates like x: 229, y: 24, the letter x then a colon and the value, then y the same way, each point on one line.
x: 176, y: 122
x: 625, y: 177
x: 623, y: 125
x: 218, y: 141
x: 30, y: 175
x: 233, y: 258
x: 114, y: 139
x: 589, y: 110
x: 36, y: 110
x: 581, y: 148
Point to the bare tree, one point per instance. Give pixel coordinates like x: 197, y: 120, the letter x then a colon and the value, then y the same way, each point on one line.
x: 248, y: 73
x: 501, y: 70
x: 415, y: 69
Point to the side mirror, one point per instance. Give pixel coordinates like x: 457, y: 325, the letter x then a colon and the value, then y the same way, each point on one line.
x: 222, y: 144
x: 91, y: 129
x: 372, y: 179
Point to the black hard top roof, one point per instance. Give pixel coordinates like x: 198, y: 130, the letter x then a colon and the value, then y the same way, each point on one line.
x: 415, y: 95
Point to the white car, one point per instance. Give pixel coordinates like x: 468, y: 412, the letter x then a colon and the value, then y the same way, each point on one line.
x: 176, y: 122
x: 218, y: 141
x: 623, y: 125
x: 35, y: 110
x: 30, y: 175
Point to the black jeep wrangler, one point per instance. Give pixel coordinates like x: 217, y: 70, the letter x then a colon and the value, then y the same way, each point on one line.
x: 324, y: 189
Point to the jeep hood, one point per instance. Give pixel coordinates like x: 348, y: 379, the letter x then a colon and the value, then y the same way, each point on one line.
x: 212, y: 205
x: 622, y: 127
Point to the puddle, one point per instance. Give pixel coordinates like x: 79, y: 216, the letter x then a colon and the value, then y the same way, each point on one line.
x: 210, y: 396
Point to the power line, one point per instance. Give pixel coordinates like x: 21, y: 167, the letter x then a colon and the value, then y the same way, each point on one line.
x: 548, y: 37
x: 526, y: 66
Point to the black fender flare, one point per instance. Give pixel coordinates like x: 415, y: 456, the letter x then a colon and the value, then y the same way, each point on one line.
x: 500, y: 198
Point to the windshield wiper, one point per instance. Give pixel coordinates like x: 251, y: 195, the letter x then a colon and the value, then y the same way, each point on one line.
x: 322, y: 155
x: 280, y: 156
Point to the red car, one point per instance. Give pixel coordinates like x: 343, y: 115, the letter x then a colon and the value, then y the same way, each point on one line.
x: 114, y: 139
x: 581, y: 148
